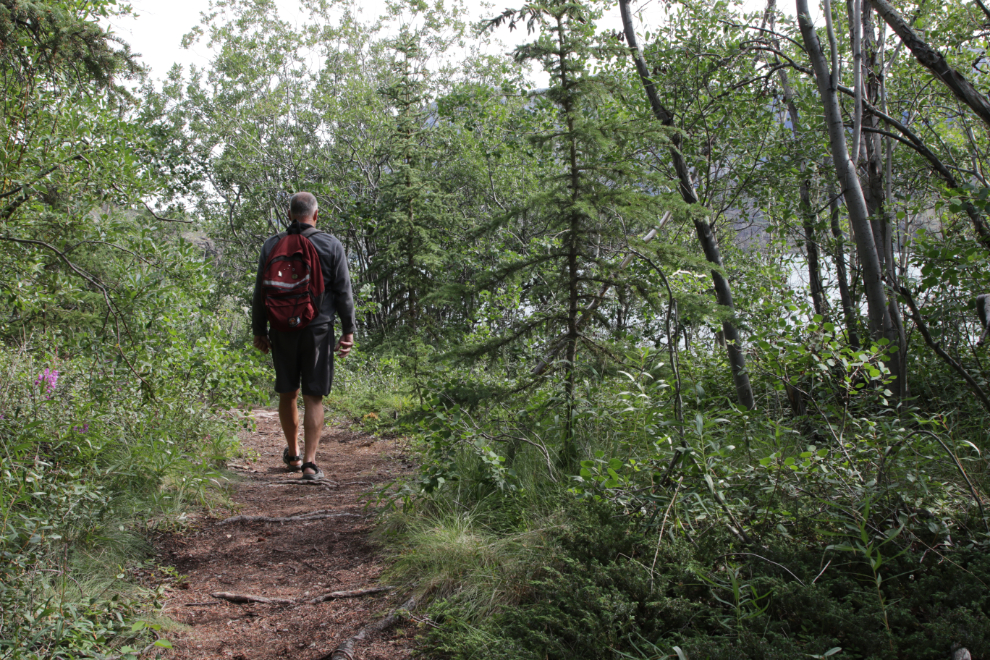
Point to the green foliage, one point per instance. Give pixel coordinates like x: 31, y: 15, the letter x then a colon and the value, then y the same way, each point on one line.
x: 371, y: 390
x: 115, y: 350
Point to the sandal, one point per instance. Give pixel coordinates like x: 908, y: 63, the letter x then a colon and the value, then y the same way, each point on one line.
x: 312, y: 477
x: 289, y: 460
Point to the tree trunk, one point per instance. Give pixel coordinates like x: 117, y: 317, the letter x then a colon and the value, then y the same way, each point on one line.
x: 723, y: 291
x: 848, y: 314
x: 811, y: 247
x: 808, y: 218
x: 879, y: 215
x: 880, y: 323
x: 570, y: 451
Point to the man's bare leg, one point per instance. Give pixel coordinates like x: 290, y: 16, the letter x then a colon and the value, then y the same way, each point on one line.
x: 313, y: 428
x: 288, y: 415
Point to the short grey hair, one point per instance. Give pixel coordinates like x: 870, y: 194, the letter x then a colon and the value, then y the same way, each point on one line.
x: 303, y: 205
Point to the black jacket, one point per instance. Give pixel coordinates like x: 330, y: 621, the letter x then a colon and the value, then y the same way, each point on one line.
x: 337, y: 296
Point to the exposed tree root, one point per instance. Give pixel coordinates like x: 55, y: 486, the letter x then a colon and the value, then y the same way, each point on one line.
x: 323, y: 483
x: 316, y: 515
x: 333, y: 595
x: 345, y: 650
x: 248, y: 598
x: 354, y: 593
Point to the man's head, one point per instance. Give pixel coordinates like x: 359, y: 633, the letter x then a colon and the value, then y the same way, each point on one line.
x: 303, y: 207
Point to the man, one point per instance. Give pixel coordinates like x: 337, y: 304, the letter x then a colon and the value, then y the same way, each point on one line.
x: 305, y: 355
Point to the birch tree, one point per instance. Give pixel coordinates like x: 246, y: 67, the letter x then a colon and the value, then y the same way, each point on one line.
x: 881, y: 324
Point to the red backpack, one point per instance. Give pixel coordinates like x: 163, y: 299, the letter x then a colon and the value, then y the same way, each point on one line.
x: 293, y: 281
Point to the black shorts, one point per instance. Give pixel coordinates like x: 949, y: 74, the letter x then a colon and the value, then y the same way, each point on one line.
x: 303, y: 355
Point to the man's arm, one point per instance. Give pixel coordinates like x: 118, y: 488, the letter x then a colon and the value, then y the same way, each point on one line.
x: 259, y: 320
x: 340, y: 287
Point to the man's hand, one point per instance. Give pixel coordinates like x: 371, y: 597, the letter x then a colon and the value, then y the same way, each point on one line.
x: 344, y: 345
x: 262, y: 344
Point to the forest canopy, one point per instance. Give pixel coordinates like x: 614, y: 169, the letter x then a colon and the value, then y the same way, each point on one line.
x: 687, y: 342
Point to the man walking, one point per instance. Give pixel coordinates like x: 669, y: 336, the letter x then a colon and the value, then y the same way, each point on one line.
x: 304, y: 356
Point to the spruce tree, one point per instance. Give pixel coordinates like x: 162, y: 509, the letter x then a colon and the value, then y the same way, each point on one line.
x: 596, y: 192
x: 411, y: 218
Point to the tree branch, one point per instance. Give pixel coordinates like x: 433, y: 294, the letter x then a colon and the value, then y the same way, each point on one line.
x: 915, y: 142
x: 158, y: 217
x: 932, y: 60
x: 919, y: 322
x: 111, y: 308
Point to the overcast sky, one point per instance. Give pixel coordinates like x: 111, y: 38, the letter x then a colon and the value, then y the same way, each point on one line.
x: 157, y: 29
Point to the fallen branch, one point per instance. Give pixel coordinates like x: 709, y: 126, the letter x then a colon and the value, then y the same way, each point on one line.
x: 353, y: 593
x: 345, y: 650
x: 316, y: 515
x: 248, y: 598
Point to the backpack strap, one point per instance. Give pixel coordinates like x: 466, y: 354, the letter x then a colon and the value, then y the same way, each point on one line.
x: 307, y: 233
x: 278, y: 237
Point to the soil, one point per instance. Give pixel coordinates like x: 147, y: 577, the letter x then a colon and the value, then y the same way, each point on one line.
x: 295, y: 560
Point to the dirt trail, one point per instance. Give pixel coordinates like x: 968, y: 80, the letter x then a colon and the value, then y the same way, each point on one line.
x: 297, y: 560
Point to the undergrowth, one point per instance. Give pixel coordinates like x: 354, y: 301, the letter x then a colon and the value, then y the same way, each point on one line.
x: 373, y: 391
x: 92, y: 462
x: 855, y: 530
